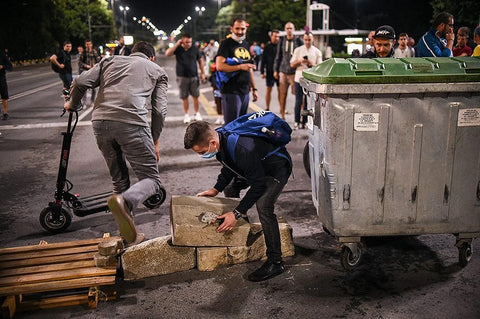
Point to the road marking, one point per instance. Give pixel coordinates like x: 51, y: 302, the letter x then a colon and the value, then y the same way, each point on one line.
x: 169, y: 119
x: 255, y: 107
x: 41, y: 88
x: 212, y: 111
x: 177, y: 92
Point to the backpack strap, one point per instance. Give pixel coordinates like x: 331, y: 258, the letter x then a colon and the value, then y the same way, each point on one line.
x: 232, y: 140
x: 278, y: 153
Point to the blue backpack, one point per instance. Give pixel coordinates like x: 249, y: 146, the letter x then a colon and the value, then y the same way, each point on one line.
x: 262, y: 124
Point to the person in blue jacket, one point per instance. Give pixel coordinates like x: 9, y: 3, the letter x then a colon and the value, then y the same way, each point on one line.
x: 438, y: 41
x: 266, y: 176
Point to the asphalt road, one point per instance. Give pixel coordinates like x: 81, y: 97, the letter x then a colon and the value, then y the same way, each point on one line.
x: 400, y: 277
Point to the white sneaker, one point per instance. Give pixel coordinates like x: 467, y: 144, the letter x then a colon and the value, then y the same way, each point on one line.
x: 186, y: 119
x: 220, y: 121
x: 198, y: 117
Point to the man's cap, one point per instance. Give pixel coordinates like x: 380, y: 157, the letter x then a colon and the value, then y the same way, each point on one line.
x: 385, y: 31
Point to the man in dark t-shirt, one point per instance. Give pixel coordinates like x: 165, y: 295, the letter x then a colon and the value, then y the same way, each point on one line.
x: 235, y: 92
x: 63, y: 60
x: 187, y: 57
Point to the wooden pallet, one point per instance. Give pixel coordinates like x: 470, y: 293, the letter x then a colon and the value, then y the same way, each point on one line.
x: 53, y: 275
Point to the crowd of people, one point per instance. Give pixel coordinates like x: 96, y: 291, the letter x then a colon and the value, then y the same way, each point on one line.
x: 438, y: 41
x: 123, y: 132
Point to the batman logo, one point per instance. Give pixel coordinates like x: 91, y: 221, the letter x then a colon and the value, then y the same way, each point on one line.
x: 242, y: 53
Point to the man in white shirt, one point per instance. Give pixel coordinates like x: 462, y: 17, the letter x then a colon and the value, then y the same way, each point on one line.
x: 303, y: 57
x: 403, y: 50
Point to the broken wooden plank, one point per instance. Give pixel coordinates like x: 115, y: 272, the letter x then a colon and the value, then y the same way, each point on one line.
x: 83, y: 242
x: 57, y: 285
x: 46, y: 260
x: 57, y: 275
x: 46, y: 268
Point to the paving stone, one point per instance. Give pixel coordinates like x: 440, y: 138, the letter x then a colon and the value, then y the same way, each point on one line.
x: 188, y: 229
x: 110, y: 247
x: 156, y: 257
x: 210, y: 258
x: 104, y: 261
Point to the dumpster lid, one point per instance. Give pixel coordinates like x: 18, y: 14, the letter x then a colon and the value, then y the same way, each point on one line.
x: 392, y: 70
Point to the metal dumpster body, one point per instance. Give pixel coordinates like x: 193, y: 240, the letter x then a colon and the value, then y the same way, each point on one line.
x: 394, y: 149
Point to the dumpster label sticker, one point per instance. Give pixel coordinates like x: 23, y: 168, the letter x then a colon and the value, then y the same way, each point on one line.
x: 366, y: 121
x: 469, y: 117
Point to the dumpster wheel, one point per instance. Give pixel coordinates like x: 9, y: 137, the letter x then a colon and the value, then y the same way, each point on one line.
x: 350, y: 259
x: 465, y: 253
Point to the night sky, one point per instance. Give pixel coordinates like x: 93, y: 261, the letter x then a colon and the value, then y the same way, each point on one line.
x: 167, y: 15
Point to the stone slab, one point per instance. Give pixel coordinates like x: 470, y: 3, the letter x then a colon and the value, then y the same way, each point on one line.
x: 189, y: 230
x: 211, y: 258
x: 102, y: 261
x: 110, y: 247
x: 156, y: 257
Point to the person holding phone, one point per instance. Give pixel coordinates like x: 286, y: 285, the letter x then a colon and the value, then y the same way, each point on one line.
x: 303, y: 57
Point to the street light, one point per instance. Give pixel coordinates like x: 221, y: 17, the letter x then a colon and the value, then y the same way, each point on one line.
x: 199, y: 10
x: 124, y: 10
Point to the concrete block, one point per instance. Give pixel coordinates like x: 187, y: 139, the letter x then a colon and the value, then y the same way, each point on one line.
x: 209, y: 259
x: 104, y: 261
x: 286, y: 237
x: 110, y: 247
x: 188, y: 229
x: 156, y: 257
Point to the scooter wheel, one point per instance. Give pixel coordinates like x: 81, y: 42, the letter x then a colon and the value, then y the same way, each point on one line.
x: 55, y: 224
x: 156, y: 199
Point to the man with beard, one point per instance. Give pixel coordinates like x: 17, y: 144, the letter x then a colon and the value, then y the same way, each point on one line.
x: 438, y: 41
x: 235, y: 92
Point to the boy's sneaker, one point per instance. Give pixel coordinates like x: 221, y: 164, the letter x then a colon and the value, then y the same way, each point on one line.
x: 5, y: 117
x: 295, y: 126
x: 220, y: 121
x: 186, y: 119
x: 198, y: 117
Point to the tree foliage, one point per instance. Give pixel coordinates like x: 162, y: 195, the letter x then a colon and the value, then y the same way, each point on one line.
x: 465, y: 12
x: 263, y: 16
x: 35, y: 28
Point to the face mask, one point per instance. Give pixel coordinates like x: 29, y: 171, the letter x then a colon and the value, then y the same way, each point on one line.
x: 237, y: 38
x: 208, y: 155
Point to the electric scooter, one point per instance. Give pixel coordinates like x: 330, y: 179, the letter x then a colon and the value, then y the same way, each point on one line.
x: 57, y: 216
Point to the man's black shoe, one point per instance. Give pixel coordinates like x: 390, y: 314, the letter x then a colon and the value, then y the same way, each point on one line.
x: 268, y: 270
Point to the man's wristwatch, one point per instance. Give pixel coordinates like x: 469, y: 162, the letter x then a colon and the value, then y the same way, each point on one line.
x: 237, y: 214
x: 254, y: 89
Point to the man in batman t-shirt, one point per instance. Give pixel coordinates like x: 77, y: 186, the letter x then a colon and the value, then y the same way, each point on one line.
x: 235, y: 92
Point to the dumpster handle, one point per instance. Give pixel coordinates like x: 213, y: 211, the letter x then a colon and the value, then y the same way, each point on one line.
x: 446, y: 194
x: 305, y: 91
x: 414, y: 194
x: 478, y: 190
x: 346, y: 193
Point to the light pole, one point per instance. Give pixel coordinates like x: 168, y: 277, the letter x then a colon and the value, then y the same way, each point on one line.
x: 219, y: 2
x: 124, y: 10
x: 199, y: 11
